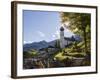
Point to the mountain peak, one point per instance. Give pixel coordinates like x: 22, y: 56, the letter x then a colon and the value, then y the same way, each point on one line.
x: 38, y: 45
x: 43, y: 41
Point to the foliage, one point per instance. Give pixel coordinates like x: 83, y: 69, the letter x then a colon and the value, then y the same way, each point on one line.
x: 59, y: 56
x: 79, y: 23
x: 78, y: 55
x: 57, y: 44
x: 30, y: 53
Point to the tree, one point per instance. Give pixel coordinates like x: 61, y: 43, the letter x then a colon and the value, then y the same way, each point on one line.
x: 78, y: 23
x: 30, y: 53
x: 57, y: 44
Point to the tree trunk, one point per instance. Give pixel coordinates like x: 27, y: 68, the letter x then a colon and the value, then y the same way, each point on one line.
x: 84, y: 32
x: 85, y: 40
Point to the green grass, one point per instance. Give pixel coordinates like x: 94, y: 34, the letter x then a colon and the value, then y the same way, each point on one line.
x: 67, y: 53
x: 62, y: 57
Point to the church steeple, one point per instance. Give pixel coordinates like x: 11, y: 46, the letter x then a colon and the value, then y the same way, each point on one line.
x: 62, y: 45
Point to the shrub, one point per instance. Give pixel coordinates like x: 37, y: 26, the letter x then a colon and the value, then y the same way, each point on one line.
x: 78, y: 55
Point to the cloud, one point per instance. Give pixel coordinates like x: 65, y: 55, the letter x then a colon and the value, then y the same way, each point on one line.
x: 25, y: 42
x: 41, y: 33
x: 56, y: 34
x: 53, y: 36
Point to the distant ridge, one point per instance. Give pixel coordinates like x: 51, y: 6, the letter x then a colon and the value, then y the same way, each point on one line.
x: 38, y: 45
x: 43, y: 44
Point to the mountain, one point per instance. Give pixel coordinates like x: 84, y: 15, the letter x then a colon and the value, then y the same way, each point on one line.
x: 44, y: 44
x: 38, y: 45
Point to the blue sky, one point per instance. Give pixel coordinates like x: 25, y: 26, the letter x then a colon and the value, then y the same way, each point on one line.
x: 41, y: 25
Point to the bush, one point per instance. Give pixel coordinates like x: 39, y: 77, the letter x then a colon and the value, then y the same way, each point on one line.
x: 78, y: 55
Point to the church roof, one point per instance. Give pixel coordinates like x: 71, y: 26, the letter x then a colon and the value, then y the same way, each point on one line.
x: 61, y: 29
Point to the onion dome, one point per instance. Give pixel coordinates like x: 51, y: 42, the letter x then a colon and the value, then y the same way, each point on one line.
x: 61, y: 29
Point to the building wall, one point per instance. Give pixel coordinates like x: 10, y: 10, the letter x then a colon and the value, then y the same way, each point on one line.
x: 62, y: 41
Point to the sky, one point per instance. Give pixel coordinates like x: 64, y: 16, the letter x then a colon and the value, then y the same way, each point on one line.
x: 41, y: 25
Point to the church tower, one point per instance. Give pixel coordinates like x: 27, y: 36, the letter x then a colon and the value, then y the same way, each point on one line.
x: 62, y: 45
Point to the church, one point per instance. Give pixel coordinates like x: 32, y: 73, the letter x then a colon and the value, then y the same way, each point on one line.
x: 64, y: 41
